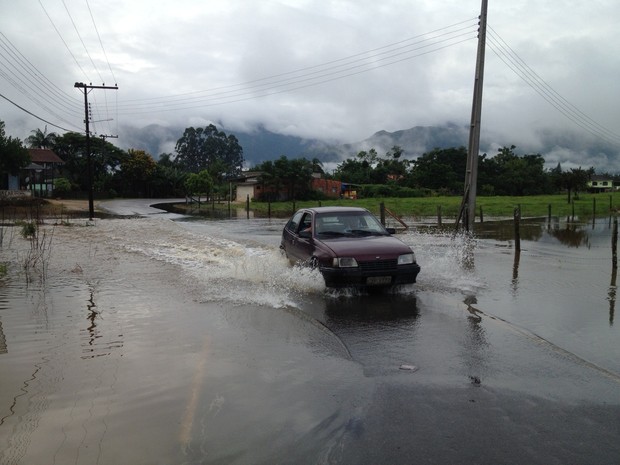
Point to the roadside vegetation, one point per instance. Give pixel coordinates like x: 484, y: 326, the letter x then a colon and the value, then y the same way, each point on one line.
x: 207, y: 160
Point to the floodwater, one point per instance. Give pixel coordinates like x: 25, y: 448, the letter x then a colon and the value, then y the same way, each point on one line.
x: 172, y: 340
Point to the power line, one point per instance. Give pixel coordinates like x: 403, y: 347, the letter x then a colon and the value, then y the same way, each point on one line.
x: 32, y: 114
x: 308, y: 76
x: 82, y: 41
x: 63, y: 40
x: 101, y: 42
x: 511, y: 59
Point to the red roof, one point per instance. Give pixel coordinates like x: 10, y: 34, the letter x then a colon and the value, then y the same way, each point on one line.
x: 44, y: 156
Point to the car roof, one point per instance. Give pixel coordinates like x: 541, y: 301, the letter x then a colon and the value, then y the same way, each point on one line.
x: 335, y: 209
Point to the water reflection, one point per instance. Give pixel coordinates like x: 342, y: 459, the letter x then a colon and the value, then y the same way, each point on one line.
x: 514, y: 283
x: 368, y: 308
x: 3, y: 346
x: 611, y: 296
x: 476, y: 345
x: 571, y: 235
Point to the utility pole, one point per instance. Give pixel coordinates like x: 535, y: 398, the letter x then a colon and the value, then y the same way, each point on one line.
x: 86, y: 88
x: 468, y: 205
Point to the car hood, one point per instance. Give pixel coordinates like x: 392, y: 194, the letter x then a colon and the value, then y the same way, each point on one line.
x: 368, y: 248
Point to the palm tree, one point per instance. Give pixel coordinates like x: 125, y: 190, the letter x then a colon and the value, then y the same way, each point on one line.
x: 41, y: 139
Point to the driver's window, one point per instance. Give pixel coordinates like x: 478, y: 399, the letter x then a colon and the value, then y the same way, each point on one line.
x: 306, y: 223
x: 294, y: 221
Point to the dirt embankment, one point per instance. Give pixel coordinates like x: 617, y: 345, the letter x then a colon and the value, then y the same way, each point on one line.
x: 46, y: 208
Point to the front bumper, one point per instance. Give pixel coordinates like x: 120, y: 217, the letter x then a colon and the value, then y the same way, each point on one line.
x: 357, y: 277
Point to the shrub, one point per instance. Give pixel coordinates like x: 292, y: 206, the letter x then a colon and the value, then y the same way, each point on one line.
x: 62, y: 187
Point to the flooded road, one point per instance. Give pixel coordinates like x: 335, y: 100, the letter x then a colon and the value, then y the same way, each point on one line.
x: 169, y: 340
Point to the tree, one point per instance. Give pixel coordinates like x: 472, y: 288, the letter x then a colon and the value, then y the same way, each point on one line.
x: 440, y: 169
x: 13, y: 155
x: 574, y: 180
x: 294, y: 175
x: 106, y: 159
x: 198, y: 149
x: 136, y: 170
x: 41, y: 139
x: 199, y: 183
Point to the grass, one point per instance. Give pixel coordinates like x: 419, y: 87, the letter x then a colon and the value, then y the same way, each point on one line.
x: 492, y: 207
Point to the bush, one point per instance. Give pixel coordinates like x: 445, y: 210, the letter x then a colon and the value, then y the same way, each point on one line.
x: 62, y: 187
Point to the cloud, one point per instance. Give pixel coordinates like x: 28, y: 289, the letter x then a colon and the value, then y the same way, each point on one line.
x: 274, y: 63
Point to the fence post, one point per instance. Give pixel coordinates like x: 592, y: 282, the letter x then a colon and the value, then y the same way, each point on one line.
x: 481, y: 215
x: 517, y: 221
x: 269, y: 209
x: 247, y: 206
x: 593, y: 206
x: 439, y: 215
x: 549, y: 213
x: 382, y: 213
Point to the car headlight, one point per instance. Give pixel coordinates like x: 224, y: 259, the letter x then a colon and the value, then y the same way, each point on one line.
x: 345, y: 262
x: 406, y: 259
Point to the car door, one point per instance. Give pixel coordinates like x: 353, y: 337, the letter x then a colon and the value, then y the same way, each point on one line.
x: 304, y: 245
x: 290, y: 236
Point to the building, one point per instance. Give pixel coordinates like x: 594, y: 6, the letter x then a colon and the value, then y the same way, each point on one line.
x: 250, y: 185
x: 602, y: 183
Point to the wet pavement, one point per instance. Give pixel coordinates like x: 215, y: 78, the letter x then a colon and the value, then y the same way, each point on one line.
x: 169, y: 340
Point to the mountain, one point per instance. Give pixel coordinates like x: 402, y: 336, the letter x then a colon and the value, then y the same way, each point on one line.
x: 571, y: 149
x: 262, y: 145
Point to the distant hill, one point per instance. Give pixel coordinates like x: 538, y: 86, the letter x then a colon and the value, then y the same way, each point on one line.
x: 262, y: 145
x: 569, y: 148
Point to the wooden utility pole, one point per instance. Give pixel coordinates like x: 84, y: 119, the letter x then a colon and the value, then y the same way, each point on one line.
x: 91, y: 197
x: 471, y: 174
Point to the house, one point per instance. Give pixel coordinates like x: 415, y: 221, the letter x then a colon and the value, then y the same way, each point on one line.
x: 250, y: 185
x: 602, y: 183
x: 36, y: 179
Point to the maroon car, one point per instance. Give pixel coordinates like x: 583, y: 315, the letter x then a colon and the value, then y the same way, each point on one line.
x: 349, y: 246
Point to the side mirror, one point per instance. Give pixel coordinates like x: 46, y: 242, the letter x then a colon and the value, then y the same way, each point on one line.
x: 391, y: 230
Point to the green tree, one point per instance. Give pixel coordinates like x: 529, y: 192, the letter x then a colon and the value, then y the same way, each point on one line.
x: 136, y: 171
x: 511, y: 174
x: 440, y: 169
x: 106, y: 159
x: 41, y: 139
x: 198, y: 149
x: 575, y: 180
x: 13, y: 156
x: 292, y: 175
x: 199, y: 183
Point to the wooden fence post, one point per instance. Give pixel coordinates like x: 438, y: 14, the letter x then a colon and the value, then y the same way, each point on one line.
x: 247, y: 206
x: 439, y: 215
x: 481, y: 215
x: 549, y: 213
x: 517, y: 221
x: 382, y: 213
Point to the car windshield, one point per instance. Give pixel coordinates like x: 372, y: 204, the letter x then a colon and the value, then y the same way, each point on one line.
x: 348, y: 224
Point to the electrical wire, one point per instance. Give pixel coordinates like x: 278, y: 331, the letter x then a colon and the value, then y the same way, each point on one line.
x: 304, y: 77
x: 515, y: 63
x: 32, y: 114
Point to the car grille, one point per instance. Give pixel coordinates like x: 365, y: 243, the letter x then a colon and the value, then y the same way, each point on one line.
x: 379, y: 265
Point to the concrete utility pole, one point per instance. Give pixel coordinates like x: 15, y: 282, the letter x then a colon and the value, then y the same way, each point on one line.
x: 471, y: 175
x: 86, y: 88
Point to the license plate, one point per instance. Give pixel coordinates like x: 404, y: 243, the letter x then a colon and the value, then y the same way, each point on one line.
x: 378, y: 280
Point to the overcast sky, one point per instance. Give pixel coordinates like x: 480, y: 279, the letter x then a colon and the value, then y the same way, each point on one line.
x: 338, y: 70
